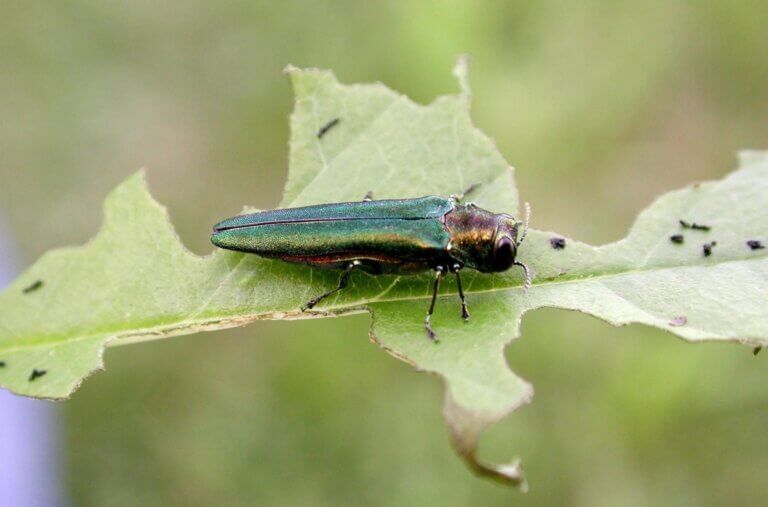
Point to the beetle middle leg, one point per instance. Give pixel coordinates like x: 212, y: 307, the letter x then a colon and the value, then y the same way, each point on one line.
x: 456, y: 268
x: 342, y: 284
x: 439, y: 272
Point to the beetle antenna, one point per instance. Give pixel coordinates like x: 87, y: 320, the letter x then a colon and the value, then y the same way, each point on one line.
x: 527, y: 281
x: 525, y: 224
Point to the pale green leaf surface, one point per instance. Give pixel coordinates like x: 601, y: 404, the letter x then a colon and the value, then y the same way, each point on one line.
x: 136, y: 281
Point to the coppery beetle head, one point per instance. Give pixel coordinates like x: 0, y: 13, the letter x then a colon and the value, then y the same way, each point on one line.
x: 485, y: 241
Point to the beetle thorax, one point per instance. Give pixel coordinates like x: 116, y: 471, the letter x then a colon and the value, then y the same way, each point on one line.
x: 472, y: 233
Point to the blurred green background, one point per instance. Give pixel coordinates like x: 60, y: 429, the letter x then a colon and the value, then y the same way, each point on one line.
x: 599, y: 105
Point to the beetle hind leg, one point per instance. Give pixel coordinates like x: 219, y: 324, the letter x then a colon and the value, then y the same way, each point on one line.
x: 460, y: 197
x: 439, y: 272
x: 343, y: 281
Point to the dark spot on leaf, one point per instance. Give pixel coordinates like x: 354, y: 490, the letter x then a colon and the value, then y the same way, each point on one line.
x: 328, y: 126
x: 757, y: 350
x: 677, y: 238
x: 707, y: 248
x: 755, y: 244
x: 557, y: 243
x: 679, y: 321
x: 2, y: 364
x: 33, y: 287
x: 36, y: 374
x: 693, y: 225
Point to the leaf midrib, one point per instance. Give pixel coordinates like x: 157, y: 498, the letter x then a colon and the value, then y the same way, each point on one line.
x: 339, y: 310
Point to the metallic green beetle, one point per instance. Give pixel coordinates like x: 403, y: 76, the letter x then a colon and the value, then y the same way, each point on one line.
x: 401, y: 236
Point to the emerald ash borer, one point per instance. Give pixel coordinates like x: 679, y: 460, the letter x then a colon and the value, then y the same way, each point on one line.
x: 396, y: 236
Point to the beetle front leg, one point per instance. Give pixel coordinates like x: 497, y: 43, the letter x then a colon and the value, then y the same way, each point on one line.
x: 464, y: 312
x: 439, y: 272
x: 342, y: 284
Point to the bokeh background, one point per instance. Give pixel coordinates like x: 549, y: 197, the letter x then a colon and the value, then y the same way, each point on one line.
x: 599, y: 105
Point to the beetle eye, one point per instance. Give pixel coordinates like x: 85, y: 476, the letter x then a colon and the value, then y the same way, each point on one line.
x: 504, y: 254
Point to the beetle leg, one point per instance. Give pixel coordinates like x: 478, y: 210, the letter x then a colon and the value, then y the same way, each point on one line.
x: 527, y: 282
x: 342, y: 284
x: 460, y: 197
x: 439, y: 271
x: 368, y: 196
x: 468, y: 190
x: 464, y: 312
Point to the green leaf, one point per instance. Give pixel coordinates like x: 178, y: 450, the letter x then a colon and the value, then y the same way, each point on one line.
x: 135, y: 281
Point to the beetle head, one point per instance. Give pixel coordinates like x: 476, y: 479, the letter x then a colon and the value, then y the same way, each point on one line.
x: 504, y: 249
x: 485, y: 241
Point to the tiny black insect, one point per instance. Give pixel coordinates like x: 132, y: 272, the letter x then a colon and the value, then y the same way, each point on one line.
x: 707, y: 248
x: 557, y: 243
x: 328, y: 126
x: 755, y: 244
x: 757, y: 350
x: 677, y: 238
x: 36, y: 374
x: 33, y: 287
x: 694, y: 226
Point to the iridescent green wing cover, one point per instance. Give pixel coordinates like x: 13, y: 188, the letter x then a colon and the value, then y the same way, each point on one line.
x: 388, y: 234
x: 409, y: 209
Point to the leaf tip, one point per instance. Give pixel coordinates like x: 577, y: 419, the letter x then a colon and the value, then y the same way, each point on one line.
x: 306, y: 80
x: 466, y: 425
x: 135, y: 182
x: 461, y: 73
